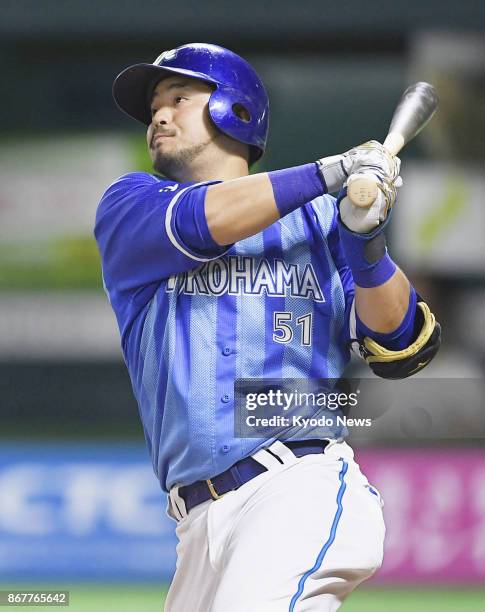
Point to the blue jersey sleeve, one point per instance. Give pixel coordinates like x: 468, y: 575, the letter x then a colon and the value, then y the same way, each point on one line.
x: 140, y: 241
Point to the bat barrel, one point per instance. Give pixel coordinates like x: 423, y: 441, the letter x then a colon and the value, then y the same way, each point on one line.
x: 416, y: 107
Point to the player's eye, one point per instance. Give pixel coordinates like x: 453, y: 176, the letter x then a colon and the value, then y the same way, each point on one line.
x: 179, y: 99
x: 153, y: 111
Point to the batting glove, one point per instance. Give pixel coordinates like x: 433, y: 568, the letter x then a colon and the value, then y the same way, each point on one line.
x: 374, y: 157
x: 370, y: 156
x: 365, y: 220
x: 373, y: 161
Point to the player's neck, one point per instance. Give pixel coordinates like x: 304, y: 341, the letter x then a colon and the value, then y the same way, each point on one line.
x: 223, y: 160
x: 224, y: 170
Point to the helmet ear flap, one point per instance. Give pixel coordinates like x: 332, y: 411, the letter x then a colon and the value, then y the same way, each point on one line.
x: 234, y: 114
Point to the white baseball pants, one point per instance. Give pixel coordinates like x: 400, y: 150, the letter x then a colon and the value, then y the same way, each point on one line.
x: 297, y: 538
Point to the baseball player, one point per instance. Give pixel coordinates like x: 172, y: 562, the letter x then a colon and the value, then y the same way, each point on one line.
x: 216, y: 276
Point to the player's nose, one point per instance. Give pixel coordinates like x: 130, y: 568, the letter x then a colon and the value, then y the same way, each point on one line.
x: 162, y: 116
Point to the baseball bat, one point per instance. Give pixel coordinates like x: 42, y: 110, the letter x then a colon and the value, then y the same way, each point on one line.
x: 415, y: 108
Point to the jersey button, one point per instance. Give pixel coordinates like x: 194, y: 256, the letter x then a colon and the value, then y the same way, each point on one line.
x: 226, y: 351
x: 225, y: 399
x: 225, y: 448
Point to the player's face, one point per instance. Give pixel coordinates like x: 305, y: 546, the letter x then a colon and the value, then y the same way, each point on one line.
x: 181, y: 130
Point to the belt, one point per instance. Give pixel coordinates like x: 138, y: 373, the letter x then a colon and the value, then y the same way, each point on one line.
x: 241, y: 472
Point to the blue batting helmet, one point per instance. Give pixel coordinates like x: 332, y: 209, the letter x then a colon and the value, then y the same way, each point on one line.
x: 236, y: 84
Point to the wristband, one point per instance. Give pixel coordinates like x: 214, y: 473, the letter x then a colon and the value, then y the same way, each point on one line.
x: 293, y: 187
x: 366, y: 254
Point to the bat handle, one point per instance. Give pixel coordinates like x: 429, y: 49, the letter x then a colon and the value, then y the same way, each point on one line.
x: 361, y: 188
x: 394, y: 142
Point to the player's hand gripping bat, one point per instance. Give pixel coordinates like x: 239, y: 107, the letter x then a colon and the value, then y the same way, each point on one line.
x: 415, y: 108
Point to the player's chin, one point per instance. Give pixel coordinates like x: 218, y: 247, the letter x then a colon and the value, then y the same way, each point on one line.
x: 164, y: 149
x: 161, y: 146
x: 165, y: 162
x: 158, y: 148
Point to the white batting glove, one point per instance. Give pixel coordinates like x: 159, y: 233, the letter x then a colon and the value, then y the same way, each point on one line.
x: 335, y: 170
x: 364, y: 220
x: 370, y: 155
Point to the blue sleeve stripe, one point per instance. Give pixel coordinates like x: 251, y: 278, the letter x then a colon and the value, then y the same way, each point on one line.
x: 169, y: 229
x: 329, y: 542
